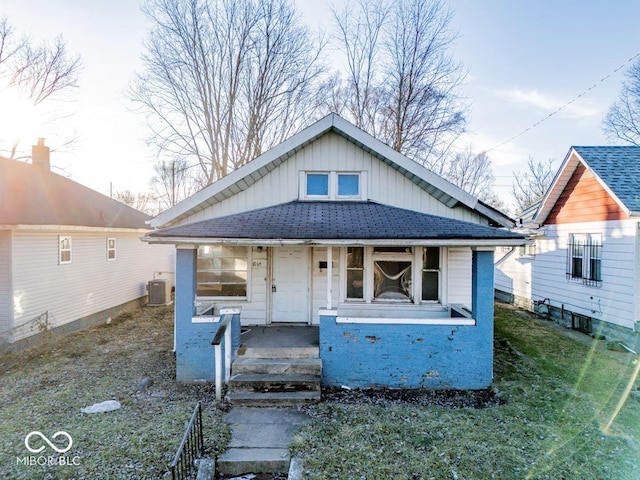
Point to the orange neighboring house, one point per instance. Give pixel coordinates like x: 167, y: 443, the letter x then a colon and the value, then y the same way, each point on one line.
x: 582, y: 269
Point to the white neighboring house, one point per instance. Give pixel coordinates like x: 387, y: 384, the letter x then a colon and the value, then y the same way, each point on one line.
x: 68, y: 255
x: 583, y: 268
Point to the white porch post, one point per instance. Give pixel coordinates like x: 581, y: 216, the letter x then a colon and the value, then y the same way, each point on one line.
x: 329, y: 275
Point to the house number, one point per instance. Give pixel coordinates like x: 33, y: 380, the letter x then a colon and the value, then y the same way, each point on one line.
x: 256, y: 264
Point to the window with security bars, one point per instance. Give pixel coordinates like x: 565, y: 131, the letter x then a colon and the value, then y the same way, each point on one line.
x: 584, y: 258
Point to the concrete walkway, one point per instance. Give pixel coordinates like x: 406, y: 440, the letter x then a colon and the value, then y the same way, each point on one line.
x: 260, y: 440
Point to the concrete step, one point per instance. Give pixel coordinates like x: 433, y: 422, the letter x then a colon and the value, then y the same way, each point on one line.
x: 274, y: 382
x: 309, y: 366
x: 238, y: 461
x: 270, y: 399
x: 279, y: 352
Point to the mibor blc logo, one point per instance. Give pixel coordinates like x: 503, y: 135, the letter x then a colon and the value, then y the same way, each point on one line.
x: 62, y: 443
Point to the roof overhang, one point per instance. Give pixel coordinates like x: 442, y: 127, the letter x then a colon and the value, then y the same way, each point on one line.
x: 245, y: 176
x: 70, y: 228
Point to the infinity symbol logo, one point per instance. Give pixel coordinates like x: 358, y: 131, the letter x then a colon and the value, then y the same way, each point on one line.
x: 55, y: 435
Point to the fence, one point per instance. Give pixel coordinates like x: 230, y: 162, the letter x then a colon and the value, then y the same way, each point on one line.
x: 190, y: 448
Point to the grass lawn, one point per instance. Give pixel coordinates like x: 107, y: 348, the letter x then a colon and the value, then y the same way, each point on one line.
x: 562, y: 419
x: 560, y: 416
x: 45, y: 387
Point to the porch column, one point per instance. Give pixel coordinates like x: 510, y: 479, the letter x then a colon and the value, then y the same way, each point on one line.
x: 482, y: 285
x: 186, y: 262
x: 329, y: 275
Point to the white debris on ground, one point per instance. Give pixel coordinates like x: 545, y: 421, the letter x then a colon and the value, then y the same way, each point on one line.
x: 106, y: 406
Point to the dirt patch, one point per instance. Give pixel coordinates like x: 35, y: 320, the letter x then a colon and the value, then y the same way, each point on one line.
x: 452, y: 399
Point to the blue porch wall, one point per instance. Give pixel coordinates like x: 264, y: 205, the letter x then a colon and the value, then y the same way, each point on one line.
x: 194, y: 352
x: 361, y: 355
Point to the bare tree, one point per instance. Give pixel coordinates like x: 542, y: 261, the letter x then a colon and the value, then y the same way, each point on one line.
x: 144, y: 202
x: 623, y: 119
x: 38, y: 72
x: 225, y: 80
x: 530, y: 186
x: 174, y: 181
x: 402, y: 83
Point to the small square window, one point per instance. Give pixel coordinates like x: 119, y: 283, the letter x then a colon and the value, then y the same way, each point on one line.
x: 111, y: 249
x: 64, y: 250
x: 318, y: 184
x: 348, y: 185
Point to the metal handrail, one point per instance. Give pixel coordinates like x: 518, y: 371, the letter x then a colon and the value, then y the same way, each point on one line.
x: 190, y: 448
x: 224, y: 331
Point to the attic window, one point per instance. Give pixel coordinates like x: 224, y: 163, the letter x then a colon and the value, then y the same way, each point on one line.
x: 332, y: 185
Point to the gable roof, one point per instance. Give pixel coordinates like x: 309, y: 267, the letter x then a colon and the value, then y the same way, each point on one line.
x: 617, y: 169
x: 33, y: 195
x: 319, y: 222
x: 245, y: 176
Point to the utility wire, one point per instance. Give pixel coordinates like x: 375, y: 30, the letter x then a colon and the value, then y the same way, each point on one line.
x: 559, y: 109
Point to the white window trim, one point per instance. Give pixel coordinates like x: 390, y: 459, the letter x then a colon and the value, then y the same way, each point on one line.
x: 61, y: 238
x: 333, y: 185
x: 416, y: 277
x: 114, y: 249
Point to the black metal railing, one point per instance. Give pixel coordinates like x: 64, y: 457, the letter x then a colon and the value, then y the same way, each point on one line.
x: 190, y: 448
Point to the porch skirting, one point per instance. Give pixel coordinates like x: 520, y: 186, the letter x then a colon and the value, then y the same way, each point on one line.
x: 405, y: 355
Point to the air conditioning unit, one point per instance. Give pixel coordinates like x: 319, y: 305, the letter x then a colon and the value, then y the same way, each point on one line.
x: 159, y: 292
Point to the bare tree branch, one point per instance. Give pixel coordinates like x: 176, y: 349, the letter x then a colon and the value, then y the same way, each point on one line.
x: 531, y: 186
x: 623, y: 119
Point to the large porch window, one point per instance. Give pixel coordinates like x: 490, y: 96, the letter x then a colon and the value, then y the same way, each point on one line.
x: 222, y: 271
x: 392, y: 274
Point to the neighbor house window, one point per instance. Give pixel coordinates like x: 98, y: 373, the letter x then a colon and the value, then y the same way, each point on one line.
x: 584, y: 258
x: 64, y: 250
x: 348, y: 185
x: 318, y: 184
x: 111, y: 249
x: 430, y: 274
x: 222, y: 271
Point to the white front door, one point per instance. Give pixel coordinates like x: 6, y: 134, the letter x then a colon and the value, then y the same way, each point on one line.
x: 290, y: 285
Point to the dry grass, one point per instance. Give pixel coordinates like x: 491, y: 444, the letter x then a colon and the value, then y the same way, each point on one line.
x: 45, y: 387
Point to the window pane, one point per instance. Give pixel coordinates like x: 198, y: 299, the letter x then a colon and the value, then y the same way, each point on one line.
x: 355, y: 284
x: 355, y: 257
x: 430, y: 285
x: 577, y: 267
x: 431, y: 258
x: 65, y: 256
x: 317, y: 184
x: 596, y: 269
x: 222, y: 271
x: 392, y: 280
x: 348, y: 184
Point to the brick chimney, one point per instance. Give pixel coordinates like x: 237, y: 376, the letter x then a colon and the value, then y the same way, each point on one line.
x: 40, y: 155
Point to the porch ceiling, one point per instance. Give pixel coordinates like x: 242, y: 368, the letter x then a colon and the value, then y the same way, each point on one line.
x: 327, y: 222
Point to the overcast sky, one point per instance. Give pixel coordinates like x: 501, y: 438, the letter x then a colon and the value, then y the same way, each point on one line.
x: 525, y: 60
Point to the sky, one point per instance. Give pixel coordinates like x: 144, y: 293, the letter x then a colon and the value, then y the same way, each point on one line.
x: 525, y: 59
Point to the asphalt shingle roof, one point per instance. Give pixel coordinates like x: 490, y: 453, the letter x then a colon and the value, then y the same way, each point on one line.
x: 619, y: 168
x: 31, y: 195
x: 326, y: 220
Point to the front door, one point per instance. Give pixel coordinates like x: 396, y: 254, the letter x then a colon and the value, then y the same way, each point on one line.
x: 290, y: 285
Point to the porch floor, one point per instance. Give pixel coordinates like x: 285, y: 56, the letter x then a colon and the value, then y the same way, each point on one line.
x: 279, y: 336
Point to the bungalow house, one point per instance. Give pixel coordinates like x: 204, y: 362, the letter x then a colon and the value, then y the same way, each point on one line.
x: 69, y: 256
x: 583, y: 268
x: 334, y: 229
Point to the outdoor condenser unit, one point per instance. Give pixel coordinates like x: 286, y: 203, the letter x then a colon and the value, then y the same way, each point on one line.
x: 159, y: 292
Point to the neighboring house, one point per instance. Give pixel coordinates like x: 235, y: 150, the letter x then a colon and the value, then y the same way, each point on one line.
x: 68, y: 255
x: 334, y: 228
x: 583, y: 268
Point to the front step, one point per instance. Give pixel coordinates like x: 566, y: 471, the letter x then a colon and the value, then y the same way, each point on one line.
x: 279, y: 352
x: 274, y: 382
x: 238, y: 461
x: 300, y: 366
x: 271, y: 399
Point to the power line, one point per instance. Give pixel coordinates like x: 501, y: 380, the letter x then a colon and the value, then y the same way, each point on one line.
x: 559, y: 109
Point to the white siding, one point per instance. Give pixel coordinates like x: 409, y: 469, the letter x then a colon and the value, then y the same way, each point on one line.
x: 458, y: 276
x: 90, y: 283
x: 319, y: 281
x: 5, y: 281
x: 613, y: 301
x: 332, y: 152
